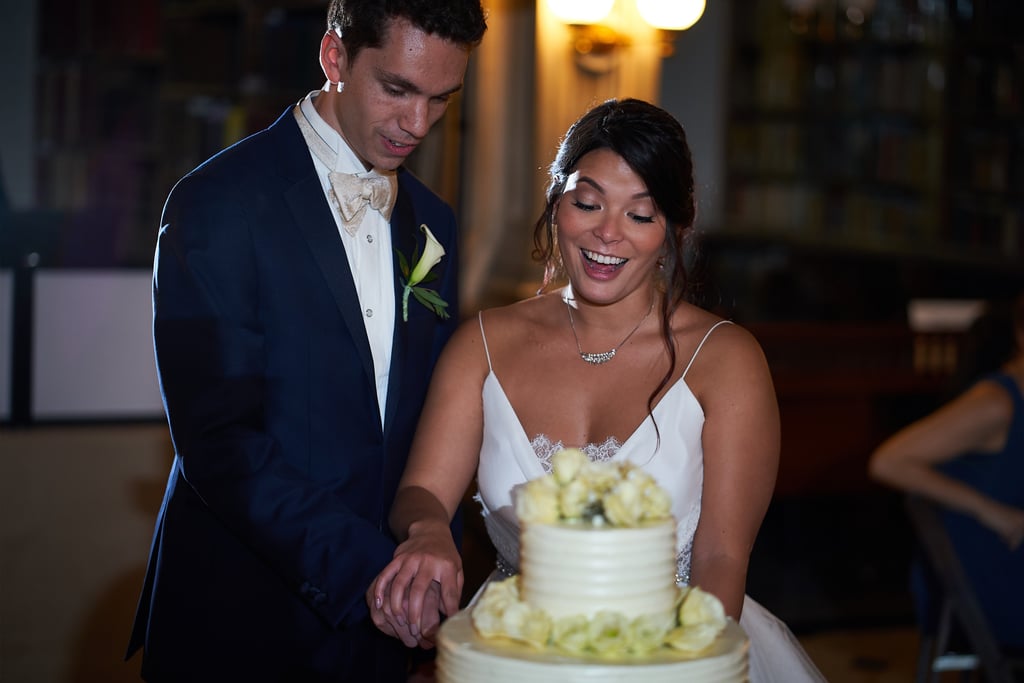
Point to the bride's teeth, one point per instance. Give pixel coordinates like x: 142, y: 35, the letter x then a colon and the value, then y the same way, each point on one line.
x: 602, y: 259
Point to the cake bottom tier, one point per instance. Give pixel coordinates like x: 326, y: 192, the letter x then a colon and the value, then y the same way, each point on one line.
x: 466, y: 657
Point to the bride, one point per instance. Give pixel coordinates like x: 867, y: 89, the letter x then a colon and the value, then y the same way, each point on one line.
x: 616, y: 362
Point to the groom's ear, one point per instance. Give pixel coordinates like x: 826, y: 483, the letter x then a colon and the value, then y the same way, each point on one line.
x: 333, y: 57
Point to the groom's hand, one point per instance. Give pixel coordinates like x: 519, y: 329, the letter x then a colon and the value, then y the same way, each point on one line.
x: 430, y: 619
x: 398, y: 625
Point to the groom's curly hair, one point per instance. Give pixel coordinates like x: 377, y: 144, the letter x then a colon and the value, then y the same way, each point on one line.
x: 363, y: 23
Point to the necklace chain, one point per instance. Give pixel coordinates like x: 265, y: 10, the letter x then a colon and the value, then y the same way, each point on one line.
x: 604, y: 356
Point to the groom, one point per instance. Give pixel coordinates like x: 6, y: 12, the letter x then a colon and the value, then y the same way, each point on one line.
x: 292, y: 378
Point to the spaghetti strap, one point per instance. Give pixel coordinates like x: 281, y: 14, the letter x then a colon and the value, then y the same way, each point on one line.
x: 480, y: 317
x: 696, y: 351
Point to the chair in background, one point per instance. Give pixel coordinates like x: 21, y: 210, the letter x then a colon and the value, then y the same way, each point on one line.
x: 959, y: 609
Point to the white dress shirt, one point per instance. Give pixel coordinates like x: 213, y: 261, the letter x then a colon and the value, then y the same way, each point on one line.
x: 368, y: 252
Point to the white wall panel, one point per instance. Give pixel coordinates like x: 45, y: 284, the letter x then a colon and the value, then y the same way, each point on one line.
x: 92, y: 354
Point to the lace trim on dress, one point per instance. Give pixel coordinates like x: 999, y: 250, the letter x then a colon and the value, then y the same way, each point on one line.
x: 545, y: 448
x: 504, y: 536
x: 685, y: 530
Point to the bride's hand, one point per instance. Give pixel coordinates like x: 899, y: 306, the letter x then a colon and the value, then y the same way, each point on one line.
x: 388, y: 623
x: 426, y: 558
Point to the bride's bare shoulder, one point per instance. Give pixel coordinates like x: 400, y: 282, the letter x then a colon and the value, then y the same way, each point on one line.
x: 520, y: 324
x: 718, y: 351
x: 693, y: 325
x: 527, y: 316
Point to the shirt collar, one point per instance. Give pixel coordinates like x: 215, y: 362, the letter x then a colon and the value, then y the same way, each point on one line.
x: 347, y: 161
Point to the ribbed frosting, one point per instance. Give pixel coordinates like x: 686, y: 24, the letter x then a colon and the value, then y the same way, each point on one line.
x: 570, y: 569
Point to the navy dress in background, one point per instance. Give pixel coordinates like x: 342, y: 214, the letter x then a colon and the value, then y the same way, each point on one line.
x: 996, y: 572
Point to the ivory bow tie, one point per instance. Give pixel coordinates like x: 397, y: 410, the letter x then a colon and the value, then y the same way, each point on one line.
x: 352, y: 194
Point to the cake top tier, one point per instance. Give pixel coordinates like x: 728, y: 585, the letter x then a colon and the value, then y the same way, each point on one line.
x: 578, y: 491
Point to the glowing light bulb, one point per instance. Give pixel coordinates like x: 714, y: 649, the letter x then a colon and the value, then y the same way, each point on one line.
x: 671, y: 15
x: 581, y: 11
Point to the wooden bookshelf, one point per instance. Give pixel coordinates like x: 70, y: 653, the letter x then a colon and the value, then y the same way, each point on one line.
x: 897, y: 131
x: 236, y: 65
x: 97, y: 75
x: 132, y: 94
x: 870, y: 160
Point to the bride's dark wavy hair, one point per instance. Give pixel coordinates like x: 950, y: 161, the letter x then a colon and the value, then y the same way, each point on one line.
x: 654, y: 145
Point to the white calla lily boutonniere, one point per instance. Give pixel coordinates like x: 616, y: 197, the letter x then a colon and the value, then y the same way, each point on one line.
x: 422, y: 265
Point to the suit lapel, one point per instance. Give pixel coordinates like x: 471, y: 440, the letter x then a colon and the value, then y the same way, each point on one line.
x: 312, y: 214
x: 403, y: 239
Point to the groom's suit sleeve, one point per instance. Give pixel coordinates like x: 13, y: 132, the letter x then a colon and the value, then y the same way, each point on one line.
x: 233, y: 402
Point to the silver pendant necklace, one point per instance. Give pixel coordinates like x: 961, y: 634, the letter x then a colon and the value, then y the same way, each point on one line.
x: 604, y: 356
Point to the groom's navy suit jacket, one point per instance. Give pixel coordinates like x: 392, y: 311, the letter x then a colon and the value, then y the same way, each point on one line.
x: 274, y: 521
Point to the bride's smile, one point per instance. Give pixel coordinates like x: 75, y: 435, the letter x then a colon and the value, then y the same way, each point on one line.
x: 602, y: 259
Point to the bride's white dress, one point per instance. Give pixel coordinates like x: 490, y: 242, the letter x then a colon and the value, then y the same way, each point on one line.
x: 509, y: 458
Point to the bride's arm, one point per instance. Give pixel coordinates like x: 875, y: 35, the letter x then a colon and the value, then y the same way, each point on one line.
x: 741, y: 454
x: 441, y: 465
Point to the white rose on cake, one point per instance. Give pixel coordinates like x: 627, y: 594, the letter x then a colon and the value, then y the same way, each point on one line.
x: 537, y: 501
x: 495, y: 601
x: 655, y: 502
x: 526, y: 624
x: 647, y: 632
x: 577, y: 490
x: 608, y: 634
x: 571, y: 634
x: 701, y: 618
x: 600, y: 477
x: 500, y: 612
x: 568, y: 464
x: 622, y: 505
x: 575, y: 500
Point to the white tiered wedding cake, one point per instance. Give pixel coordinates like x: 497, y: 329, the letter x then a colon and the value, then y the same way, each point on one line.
x: 596, y: 598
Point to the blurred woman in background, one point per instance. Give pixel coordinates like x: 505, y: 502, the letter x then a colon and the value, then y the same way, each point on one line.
x: 968, y: 456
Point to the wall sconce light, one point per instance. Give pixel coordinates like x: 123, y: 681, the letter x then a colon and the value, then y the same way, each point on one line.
x: 581, y: 12
x: 595, y: 42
